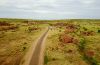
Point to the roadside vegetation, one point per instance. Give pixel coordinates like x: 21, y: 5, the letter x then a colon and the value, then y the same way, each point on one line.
x: 73, y: 42
x: 16, y: 36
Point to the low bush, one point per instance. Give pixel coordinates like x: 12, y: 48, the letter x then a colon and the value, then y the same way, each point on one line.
x: 98, y: 31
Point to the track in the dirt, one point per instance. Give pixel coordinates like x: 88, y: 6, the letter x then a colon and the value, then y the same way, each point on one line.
x: 36, y: 55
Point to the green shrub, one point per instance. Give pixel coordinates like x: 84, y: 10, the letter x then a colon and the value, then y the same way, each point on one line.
x: 85, y: 29
x: 98, y: 31
x: 24, y: 48
x: 90, y: 60
x: 46, y: 59
x: 82, y: 44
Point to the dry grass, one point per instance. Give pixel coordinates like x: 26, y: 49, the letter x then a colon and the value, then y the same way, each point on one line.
x: 15, y: 42
x: 84, y: 52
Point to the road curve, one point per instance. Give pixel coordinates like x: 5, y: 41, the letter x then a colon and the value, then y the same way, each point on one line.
x: 36, y: 57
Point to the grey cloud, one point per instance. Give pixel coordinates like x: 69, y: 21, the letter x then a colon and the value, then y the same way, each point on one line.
x: 53, y: 9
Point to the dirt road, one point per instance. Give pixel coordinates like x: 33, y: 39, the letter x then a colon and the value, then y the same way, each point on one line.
x: 37, y: 57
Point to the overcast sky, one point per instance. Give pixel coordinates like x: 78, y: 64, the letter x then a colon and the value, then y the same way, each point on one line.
x: 50, y: 9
